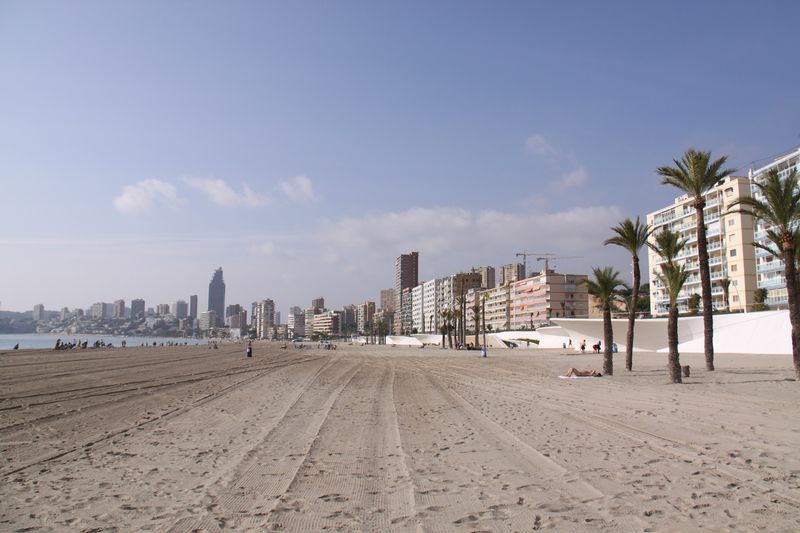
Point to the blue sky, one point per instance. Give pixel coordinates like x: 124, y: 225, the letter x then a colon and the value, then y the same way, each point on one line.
x: 303, y: 145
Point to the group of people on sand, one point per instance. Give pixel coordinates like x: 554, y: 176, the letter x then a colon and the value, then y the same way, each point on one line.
x: 70, y: 345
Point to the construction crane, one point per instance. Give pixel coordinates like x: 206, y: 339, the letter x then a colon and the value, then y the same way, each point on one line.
x: 550, y: 257
x: 524, y: 255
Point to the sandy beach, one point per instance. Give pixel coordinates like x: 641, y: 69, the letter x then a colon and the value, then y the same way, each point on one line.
x: 393, y: 439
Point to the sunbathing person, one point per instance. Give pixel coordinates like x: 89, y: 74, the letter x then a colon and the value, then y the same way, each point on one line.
x: 574, y: 372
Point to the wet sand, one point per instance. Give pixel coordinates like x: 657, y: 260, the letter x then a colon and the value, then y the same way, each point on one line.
x: 393, y: 439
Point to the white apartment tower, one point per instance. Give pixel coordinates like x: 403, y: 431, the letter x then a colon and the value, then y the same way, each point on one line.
x: 265, y: 318
x: 769, y: 269
x: 730, y: 251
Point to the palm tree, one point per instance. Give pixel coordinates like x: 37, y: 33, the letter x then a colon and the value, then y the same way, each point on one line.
x: 476, y: 316
x: 673, y: 277
x: 668, y: 245
x: 605, y: 288
x: 725, y: 283
x: 695, y: 174
x: 631, y: 236
x: 447, y: 327
x: 780, y: 211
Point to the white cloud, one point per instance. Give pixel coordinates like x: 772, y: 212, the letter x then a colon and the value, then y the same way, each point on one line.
x: 219, y: 192
x: 538, y: 145
x: 143, y: 196
x: 445, y: 234
x: 265, y: 248
x: 573, y: 178
x: 298, y: 188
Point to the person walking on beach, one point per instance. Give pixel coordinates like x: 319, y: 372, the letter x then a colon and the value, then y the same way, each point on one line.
x: 249, y: 351
x: 583, y: 346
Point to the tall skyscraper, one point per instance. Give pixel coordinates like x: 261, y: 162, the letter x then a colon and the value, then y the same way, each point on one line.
x: 119, y: 309
x: 192, y: 306
x: 137, y: 308
x: 216, y: 294
x: 318, y: 303
x: 406, y: 276
x: 38, y: 312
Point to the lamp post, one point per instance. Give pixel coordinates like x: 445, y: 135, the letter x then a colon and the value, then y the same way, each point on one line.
x: 483, y: 315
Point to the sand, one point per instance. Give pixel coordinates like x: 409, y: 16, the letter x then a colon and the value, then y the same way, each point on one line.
x: 393, y: 439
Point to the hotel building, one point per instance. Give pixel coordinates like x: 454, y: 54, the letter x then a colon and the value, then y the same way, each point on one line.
x: 731, y: 253
x: 537, y: 299
x: 769, y: 268
x: 406, y: 276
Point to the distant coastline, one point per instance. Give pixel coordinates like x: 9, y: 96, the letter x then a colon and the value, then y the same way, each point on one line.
x: 40, y: 341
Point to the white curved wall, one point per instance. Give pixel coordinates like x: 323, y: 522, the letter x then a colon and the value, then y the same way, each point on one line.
x: 765, y: 332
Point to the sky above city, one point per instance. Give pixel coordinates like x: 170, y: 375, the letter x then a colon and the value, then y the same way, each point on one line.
x: 302, y: 146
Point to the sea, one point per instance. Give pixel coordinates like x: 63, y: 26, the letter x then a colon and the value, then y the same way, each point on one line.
x: 41, y: 340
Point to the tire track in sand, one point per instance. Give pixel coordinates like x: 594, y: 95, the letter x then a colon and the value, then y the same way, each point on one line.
x: 355, y: 477
x: 246, y: 496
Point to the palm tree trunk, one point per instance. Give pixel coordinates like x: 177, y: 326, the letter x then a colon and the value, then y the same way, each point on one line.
x: 637, y: 275
x: 790, y: 272
x: 672, y: 340
x: 705, y: 286
x: 608, y: 338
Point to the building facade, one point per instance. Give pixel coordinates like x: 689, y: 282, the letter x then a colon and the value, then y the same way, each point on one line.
x: 511, y: 273
x: 216, y: 294
x: 265, y: 318
x: 387, y: 299
x: 192, y: 306
x: 364, y: 317
x: 180, y: 309
x: 406, y: 276
x: 731, y: 253
x: 137, y: 308
x: 487, y: 276
x: 769, y: 268
x: 430, y: 306
x: 38, y: 312
x: 537, y: 299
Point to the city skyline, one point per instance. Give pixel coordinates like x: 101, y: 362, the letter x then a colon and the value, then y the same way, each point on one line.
x: 468, y: 132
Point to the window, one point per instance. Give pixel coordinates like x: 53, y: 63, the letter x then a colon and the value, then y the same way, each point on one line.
x: 730, y: 222
x: 734, y: 268
x: 729, y: 191
x: 732, y: 237
x: 733, y: 253
x: 735, y: 297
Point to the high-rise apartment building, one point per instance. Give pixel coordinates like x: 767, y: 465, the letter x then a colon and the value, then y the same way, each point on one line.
x: 207, y: 320
x: 406, y: 276
x: 137, y: 308
x: 318, y: 303
x: 297, y: 323
x: 407, y: 302
x: 512, y: 272
x: 327, y: 323
x: 430, y: 306
x: 349, y: 319
x: 162, y: 309
x: 38, y: 312
x: 216, y: 294
x: 232, y: 310
x: 537, y: 299
x: 364, y: 314
x: 731, y: 253
x: 119, y: 309
x: 387, y: 299
x: 265, y: 318
x: 98, y: 310
x: 277, y: 318
x: 180, y: 309
x: 496, y: 305
x: 310, y: 313
x: 769, y: 268
x: 193, y: 306
x: 64, y: 313
x: 417, y: 309
x: 487, y: 276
